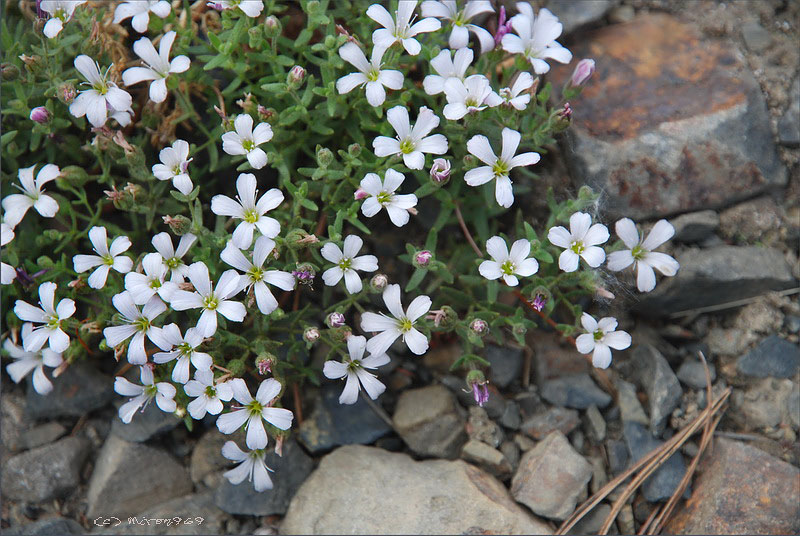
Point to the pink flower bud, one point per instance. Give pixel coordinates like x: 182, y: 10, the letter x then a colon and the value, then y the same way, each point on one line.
x: 479, y: 327
x: 40, y: 114
x: 378, y: 282
x: 583, y: 71
x: 335, y: 320
x: 311, y: 334
x: 360, y: 194
x: 422, y: 258
x: 440, y: 171
x: 297, y: 74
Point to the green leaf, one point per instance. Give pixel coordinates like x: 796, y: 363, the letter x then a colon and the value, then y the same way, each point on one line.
x: 416, y: 279
x: 492, y: 289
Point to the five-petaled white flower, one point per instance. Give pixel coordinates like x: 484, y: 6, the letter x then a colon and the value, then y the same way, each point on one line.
x: 106, y: 258
x: 60, y: 12
x: 536, y: 38
x: 244, y: 140
x: 251, y: 212
x: 103, y: 96
x: 473, y: 94
x: 174, y: 166
x: 507, y: 264
x: 163, y: 392
x: 513, y: 96
x: 498, y: 168
x: 446, y: 67
x: 400, y: 28
x: 24, y: 362
x: 641, y: 253
x: 184, y: 349
x: 7, y: 272
x: 137, y: 326
x: 410, y: 142
x: 402, y: 325
x: 460, y: 17
x: 16, y: 206
x: 140, y: 11
x: 157, y: 66
x: 370, y: 73
x: 599, y: 338
x: 353, y: 369
x: 251, y: 8
x: 152, y: 282
x: 347, y: 263
x: 171, y: 257
x: 50, y: 316
x: 255, y: 275
x: 252, y: 466
x: 253, y: 410
x: 207, y: 394
x: 381, y: 194
x: 580, y: 241
x: 211, y: 300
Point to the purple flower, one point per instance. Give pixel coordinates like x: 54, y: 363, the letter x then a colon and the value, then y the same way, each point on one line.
x: 539, y: 301
x: 40, y: 115
x: 503, y: 27
x: 480, y: 391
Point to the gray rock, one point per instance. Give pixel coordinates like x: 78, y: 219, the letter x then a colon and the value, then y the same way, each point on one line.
x: 543, y: 424
x: 718, y: 275
x: 512, y: 453
x: 793, y: 406
x: 52, y: 526
x: 481, y: 428
x: 629, y: 406
x: 620, y: 14
x: 47, y: 472
x: 190, y: 514
x: 660, y: 383
x: 551, y: 478
x: 729, y: 341
x: 663, y: 483
x: 506, y: 364
x: 618, y: 456
x: 576, y: 14
x: 577, y: 391
x: 773, y: 356
x: 693, y: 373
x: 12, y: 422
x: 290, y: 471
x: 42, y: 434
x: 597, y: 425
x: 145, y: 424
x: 207, y: 463
x: 129, y: 478
x: 593, y: 521
x: 792, y: 323
x: 511, y: 418
x: 489, y: 458
x: 428, y: 421
x: 789, y: 124
x: 695, y: 226
x: 756, y: 38
x: 332, y: 424
x: 365, y: 490
x: 78, y: 391
x: 766, y: 404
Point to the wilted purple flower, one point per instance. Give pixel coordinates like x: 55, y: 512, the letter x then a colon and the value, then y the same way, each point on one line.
x: 480, y: 391
x: 264, y: 365
x: 503, y: 27
x: 583, y: 71
x: 566, y: 112
x: 335, y: 320
x: 304, y: 274
x: 539, y: 301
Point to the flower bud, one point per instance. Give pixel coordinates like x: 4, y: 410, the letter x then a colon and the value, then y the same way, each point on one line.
x: 66, y: 93
x: 440, y: 171
x: 264, y: 363
x: 354, y: 149
x: 9, y: 71
x: 566, y: 112
x: 180, y: 225
x: 299, y: 239
x: 272, y: 26
x: 378, y: 283
x: 304, y: 274
x: 264, y: 113
x: 40, y: 115
x: 360, y: 194
x: 335, y: 320
x: 469, y: 160
x: 479, y: 327
x: 255, y: 36
x: 583, y: 71
x: 422, y: 258
x: 296, y: 76
x: 324, y: 156
x: 446, y: 318
x: 237, y: 367
x: 476, y: 381
x: 311, y: 335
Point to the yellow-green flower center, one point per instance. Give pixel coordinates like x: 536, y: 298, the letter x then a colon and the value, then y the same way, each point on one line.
x: 500, y: 168
x: 384, y: 197
x: 151, y: 390
x: 251, y: 215
x: 173, y: 263
x: 373, y: 74
x: 255, y: 274
x: 254, y: 408
x: 185, y: 349
x: 211, y: 392
x: 53, y: 321
x: 142, y: 324
x: 507, y: 268
x: 577, y: 247
x: 405, y: 325
x: 638, y: 252
x: 108, y: 260
x: 210, y: 302
x: 345, y: 263
x: 407, y: 146
x: 598, y: 335
x: 248, y: 145
x: 155, y: 283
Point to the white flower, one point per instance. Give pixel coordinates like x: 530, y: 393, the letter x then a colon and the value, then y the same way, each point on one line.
x: 253, y: 411
x: 103, y: 97
x: 508, y: 265
x: 498, y: 168
x: 251, y: 213
x: 208, y: 396
x: 157, y: 66
x: 138, y: 324
x: 50, y: 316
x: 163, y: 392
x: 580, y: 241
x: 140, y: 11
x: 536, y: 38
x: 402, y: 325
x: 245, y: 140
x: 7, y: 272
x: 599, y: 338
x: 15, y: 206
x: 60, y: 12
x: 459, y: 37
x: 184, y: 349
x: 471, y: 95
x: 410, y: 142
x: 370, y: 74
x: 400, y: 28
x: 447, y: 67
x: 211, y: 300
x: 514, y: 96
x: 106, y: 258
x: 24, y: 362
x: 174, y: 166
x: 347, y: 263
x: 251, y: 8
x: 353, y: 368
x: 381, y: 195
x: 251, y: 466
x: 641, y: 253
x: 254, y: 274
x: 152, y: 282
x: 172, y: 258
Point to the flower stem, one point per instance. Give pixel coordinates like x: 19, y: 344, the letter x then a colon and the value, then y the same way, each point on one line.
x: 466, y: 231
